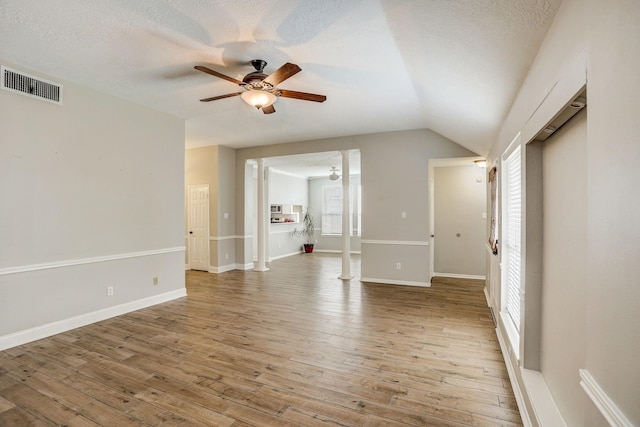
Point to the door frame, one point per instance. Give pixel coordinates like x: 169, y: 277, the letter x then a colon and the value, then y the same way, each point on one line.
x: 433, y: 163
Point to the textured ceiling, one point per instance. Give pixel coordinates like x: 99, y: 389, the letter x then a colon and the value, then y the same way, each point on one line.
x: 453, y: 66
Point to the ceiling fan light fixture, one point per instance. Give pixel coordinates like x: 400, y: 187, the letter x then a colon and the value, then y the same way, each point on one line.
x: 258, y: 98
x: 334, y: 176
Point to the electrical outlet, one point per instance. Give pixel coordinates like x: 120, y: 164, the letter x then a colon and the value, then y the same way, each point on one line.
x: 155, y: 280
x: 398, y: 266
x: 109, y: 291
x: 226, y: 256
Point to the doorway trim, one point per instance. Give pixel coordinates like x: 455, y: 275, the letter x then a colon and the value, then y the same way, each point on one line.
x: 433, y: 163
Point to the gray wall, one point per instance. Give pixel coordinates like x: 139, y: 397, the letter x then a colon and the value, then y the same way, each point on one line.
x: 606, y: 33
x: 215, y: 165
x: 201, y: 167
x: 226, y: 169
x: 459, y: 205
x: 394, y: 180
x: 564, y: 259
x: 92, y: 196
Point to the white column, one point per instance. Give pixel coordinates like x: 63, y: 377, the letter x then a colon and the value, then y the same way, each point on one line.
x: 262, y: 228
x: 346, y: 238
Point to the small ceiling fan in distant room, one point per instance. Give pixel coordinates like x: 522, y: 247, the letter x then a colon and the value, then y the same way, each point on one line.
x: 260, y: 90
x: 334, y: 176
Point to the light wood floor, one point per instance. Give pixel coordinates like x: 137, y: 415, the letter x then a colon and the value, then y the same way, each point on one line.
x: 291, y: 347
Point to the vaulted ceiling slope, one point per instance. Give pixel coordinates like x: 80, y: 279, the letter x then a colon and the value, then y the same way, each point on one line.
x: 453, y: 66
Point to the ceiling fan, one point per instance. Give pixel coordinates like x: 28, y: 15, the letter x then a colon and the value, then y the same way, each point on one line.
x: 260, y: 90
x: 334, y: 176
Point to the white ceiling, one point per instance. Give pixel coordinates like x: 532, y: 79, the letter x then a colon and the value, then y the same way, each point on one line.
x: 453, y: 66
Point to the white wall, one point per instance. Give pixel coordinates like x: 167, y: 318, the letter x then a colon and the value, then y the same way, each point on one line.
x: 92, y: 196
x: 607, y: 34
x: 289, y: 190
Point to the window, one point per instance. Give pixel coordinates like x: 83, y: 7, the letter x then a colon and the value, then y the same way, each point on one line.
x: 512, y: 249
x: 332, y: 210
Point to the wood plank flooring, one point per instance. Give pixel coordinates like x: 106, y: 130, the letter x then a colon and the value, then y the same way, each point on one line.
x: 294, y: 346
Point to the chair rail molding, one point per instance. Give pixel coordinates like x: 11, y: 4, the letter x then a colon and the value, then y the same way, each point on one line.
x: 603, y: 402
x: 93, y: 260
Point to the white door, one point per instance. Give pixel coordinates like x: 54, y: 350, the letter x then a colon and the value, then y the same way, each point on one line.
x: 198, y: 224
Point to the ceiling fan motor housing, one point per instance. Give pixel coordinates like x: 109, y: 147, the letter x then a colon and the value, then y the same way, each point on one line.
x: 259, y: 64
x: 256, y: 76
x: 255, y: 79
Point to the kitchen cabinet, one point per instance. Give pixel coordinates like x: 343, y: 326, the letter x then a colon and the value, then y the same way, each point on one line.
x: 285, y: 214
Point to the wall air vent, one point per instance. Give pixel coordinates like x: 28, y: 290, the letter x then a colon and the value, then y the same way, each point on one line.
x: 35, y: 87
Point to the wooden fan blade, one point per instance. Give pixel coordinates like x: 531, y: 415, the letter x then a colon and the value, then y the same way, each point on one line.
x: 214, y: 98
x: 269, y: 109
x: 282, y: 74
x: 217, y: 74
x: 302, y: 95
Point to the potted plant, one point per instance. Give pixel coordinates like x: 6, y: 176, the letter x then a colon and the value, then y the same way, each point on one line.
x: 307, y: 231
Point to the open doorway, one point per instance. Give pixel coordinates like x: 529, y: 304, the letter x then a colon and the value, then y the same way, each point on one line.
x: 458, y: 218
x: 293, y: 185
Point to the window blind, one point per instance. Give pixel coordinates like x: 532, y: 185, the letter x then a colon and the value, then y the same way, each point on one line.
x: 332, y: 210
x: 512, y: 247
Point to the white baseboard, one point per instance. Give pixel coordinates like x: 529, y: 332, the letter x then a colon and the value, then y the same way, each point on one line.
x: 514, y: 379
x: 285, y: 255
x: 395, y: 242
x: 459, y: 276
x: 43, y: 331
x: 396, y: 282
x: 603, y: 402
x: 544, y: 407
x: 530, y: 391
x: 222, y: 269
x: 335, y: 251
x: 230, y: 267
